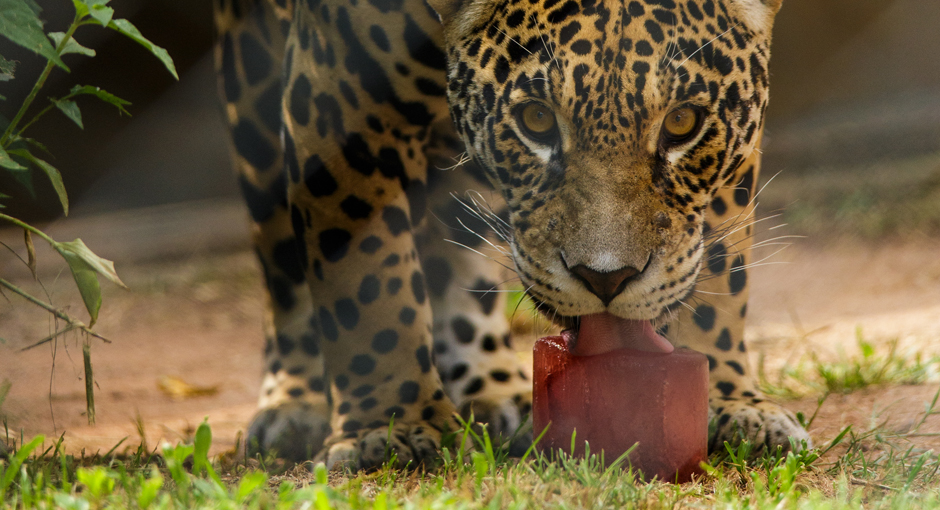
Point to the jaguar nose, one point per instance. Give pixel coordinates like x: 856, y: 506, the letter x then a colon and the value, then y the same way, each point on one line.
x: 605, y: 285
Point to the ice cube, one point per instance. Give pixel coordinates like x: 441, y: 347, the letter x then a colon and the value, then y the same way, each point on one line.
x: 624, y: 397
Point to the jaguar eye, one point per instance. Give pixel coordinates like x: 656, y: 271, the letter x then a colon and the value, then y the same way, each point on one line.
x: 538, y: 122
x: 680, y: 125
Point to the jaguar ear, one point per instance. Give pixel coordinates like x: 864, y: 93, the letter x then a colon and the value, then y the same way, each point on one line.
x: 446, y: 9
x: 759, y: 14
x: 460, y: 15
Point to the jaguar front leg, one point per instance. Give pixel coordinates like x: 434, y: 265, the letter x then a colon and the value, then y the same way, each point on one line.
x: 715, y: 323
x: 466, y: 264
x: 357, y: 176
x: 374, y: 315
x: 294, y: 406
x: 293, y: 419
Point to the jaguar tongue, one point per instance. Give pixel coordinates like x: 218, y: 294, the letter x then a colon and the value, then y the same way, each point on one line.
x: 600, y: 333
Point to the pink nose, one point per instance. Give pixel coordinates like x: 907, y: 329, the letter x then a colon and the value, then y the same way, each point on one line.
x: 608, y: 285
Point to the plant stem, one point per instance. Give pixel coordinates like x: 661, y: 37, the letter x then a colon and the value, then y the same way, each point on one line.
x: 30, y: 228
x: 59, y: 314
x: 89, y: 384
x: 5, y: 138
x: 40, y: 114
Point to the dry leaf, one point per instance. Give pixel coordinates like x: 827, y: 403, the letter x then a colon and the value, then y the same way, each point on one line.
x: 178, y: 389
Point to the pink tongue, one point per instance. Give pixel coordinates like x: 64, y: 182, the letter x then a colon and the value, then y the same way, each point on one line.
x: 602, y: 332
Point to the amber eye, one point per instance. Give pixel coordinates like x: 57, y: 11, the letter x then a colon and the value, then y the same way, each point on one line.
x: 680, y: 125
x: 538, y: 122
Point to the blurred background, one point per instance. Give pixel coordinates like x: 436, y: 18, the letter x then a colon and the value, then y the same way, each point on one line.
x: 852, y: 145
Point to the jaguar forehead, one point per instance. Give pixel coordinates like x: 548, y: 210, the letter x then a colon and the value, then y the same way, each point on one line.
x: 611, y: 67
x: 463, y: 16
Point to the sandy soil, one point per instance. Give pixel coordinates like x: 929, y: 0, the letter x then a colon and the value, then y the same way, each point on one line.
x: 197, y: 318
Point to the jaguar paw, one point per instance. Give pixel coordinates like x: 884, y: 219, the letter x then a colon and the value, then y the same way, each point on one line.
x: 402, y: 445
x: 765, y: 424
x: 294, y: 431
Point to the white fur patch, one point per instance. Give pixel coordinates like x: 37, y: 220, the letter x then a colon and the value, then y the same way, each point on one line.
x: 674, y: 156
x: 544, y: 153
x: 605, y: 262
x: 756, y: 14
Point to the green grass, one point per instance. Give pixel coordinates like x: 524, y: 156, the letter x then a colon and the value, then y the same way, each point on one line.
x: 874, y: 469
x: 811, y: 375
x: 880, y: 467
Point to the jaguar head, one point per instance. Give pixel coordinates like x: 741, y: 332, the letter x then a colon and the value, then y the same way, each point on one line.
x: 608, y: 126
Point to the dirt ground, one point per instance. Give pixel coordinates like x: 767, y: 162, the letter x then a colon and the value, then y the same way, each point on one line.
x: 196, y: 319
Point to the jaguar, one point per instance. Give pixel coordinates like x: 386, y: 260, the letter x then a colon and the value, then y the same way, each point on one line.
x: 396, y: 156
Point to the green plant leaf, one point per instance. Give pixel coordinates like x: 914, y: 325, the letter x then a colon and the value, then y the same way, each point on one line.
x: 81, y: 10
x: 20, y: 23
x: 102, y: 95
x: 102, y: 266
x: 35, y: 143
x: 87, y: 283
x: 101, y: 14
x: 97, y: 9
x: 24, y: 176
x: 17, y: 460
x: 33, y: 6
x: 20, y: 173
x: 30, y: 253
x: 150, y: 488
x: 85, y: 267
x: 93, y: 3
x: 7, y: 67
x: 203, y: 441
x: 70, y: 109
x: 54, y: 176
x: 72, y: 46
x: 7, y: 162
x: 128, y: 29
x: 251, y: 482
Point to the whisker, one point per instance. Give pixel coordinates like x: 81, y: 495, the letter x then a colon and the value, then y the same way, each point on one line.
x: 525, y: 293
x: 772, y: 242
x: 668, y: 54
x: 515, y: 41
x: 547, y: 48
x: 706, y: 44
x: 485, y: 214
x: 484, y: 239
x: 451, y: 241
x: 742, y: 227
x: 712, y: 293
x: 761, y: 243
x: 492, y: 228
x: 762, y: 188
x: 474, y: 195
x: 495, y: 288
x: 467, y: 229
x: 461, y: 159
x: 690, y: 307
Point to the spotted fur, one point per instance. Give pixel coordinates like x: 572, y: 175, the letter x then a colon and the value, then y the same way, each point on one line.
x: 344, y: 114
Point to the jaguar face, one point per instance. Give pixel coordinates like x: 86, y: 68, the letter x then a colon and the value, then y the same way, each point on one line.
x: 608, y: 126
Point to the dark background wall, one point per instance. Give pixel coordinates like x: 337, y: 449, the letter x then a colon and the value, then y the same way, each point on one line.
x: 173, y: 148
x: 853, y: 81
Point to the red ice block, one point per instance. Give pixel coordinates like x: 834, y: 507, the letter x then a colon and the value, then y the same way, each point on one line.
x: 624, y: 397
